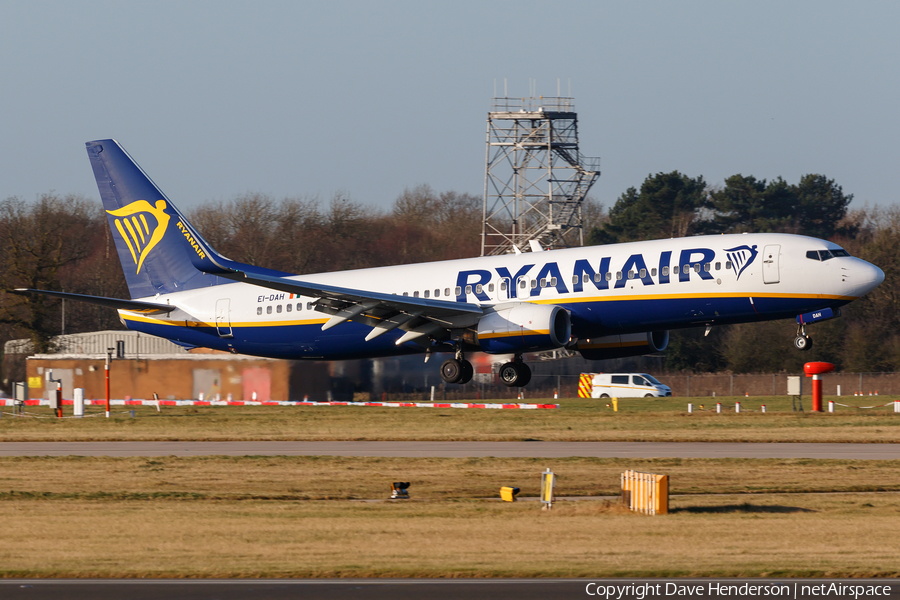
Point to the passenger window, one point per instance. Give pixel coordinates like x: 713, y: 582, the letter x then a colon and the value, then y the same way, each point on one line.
x: 437, y: 293
x: 643, y: 273
x: 707, y: 267
x: 718, y: 266
x: 447, y: 291
x: 584, y: 279
x: 458, y: 290
x: 289, y: 307
x: 639, y: 380
x: 269, y: 309
x: 619, y: 379
x: 479, y: 288
x: 427, y: 293
x: 490, y: 287
x: 299, y: 306
x: 278, y: 309
x: 468, y: 289
x: 618, y: 275
x: 522, y: 284
x: 630, y: 274
x: 665, y: 271
x: 696, y: 267
x: 543, y: 283
x: 728, y: 266
x: 416, y: 294
x: 609, y: 276
x: 686, y: 269
x: 534, y: 283
x: 259, y: 310
x: 406, y: 293
x: 553, y: 281
x: 503, y: 286
x: 597, y: 277
x: 575, y: 279
x: 653, y: 272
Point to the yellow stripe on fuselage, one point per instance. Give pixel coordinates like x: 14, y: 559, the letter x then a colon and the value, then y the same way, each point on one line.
x: 488, y: 336
x: 697, y: 295
x: 184, y: 323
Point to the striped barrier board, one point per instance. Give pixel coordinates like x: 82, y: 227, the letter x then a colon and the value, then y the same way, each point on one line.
x: 495, y: 405
x: 585, y: 385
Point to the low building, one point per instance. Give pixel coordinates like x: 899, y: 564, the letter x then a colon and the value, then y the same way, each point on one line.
x: 143, y: 365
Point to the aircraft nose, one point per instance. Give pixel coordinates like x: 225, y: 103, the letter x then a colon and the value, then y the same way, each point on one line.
x: 868, y: 277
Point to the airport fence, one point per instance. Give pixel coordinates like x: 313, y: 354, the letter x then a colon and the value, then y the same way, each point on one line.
x: 486, y: 386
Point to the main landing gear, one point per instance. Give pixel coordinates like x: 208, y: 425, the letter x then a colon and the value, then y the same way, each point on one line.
x: 802, y: 341
x: 457, y: 369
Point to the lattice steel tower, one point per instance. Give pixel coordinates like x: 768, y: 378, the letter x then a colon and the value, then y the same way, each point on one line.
x: 535, y: 178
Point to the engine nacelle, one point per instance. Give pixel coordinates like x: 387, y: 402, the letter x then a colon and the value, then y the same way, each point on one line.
x: 524, y: 327
x: 618, y: 346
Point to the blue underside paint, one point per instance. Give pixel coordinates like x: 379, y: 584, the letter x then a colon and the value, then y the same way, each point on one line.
x: 347, y: 341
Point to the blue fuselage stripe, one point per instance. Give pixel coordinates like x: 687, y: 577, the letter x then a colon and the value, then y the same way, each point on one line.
x: 347, y: 340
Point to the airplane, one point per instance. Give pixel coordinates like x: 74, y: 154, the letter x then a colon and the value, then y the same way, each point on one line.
x: 602, y: 301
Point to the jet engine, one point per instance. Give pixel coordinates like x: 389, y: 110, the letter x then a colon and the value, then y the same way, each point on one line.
x: 524, y: 327
x: 629, y: 344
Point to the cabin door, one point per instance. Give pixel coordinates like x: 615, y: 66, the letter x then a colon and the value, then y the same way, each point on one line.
x: 223, y: 317
x: 770, y: 263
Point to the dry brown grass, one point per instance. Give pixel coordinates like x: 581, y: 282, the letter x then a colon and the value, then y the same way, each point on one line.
x: 575, y: 420
x: 328, y: 477
x: 296, y: 516
x: 845, y: 535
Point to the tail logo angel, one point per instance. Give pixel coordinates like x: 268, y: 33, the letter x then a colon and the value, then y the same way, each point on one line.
x: 138, y: 233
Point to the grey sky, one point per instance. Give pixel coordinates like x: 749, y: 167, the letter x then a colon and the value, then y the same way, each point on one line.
x: 215, y: 99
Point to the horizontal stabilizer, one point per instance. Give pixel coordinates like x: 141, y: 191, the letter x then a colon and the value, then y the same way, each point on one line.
x: 118, y: 303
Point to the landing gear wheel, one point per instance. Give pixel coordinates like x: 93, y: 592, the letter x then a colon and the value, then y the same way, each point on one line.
x: 525, y: 374
x: 457, y: 371
x: 515, y: 374
x: 467, y: 371
x: 452, y: 370
x: 803, y: 342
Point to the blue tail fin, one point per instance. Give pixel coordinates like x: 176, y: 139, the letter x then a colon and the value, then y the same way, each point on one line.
x: 159, y: 249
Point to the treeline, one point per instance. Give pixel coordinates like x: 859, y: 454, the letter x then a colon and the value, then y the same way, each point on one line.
x: 63, y: 243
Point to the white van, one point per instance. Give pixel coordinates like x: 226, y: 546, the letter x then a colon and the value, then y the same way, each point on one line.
x: 628, y: 385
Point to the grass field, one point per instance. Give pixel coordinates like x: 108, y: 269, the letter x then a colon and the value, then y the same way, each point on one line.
x: 329, y: 516
x: 296, y: 516
x: 575, y: 420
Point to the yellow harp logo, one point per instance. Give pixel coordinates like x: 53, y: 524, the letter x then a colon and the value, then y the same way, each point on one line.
x: 139, y: 235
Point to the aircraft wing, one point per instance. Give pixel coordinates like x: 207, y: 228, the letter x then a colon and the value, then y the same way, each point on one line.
x: 418, y: 317
x: 130, y: 305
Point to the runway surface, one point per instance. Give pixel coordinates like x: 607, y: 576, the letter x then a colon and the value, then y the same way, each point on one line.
x: 459, y: 449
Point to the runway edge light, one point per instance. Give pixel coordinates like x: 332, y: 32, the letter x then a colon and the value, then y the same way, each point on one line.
x: 548, y: 480
x: 399, y: 490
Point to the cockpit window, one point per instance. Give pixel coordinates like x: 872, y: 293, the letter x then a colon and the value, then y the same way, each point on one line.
x: 826, y: 254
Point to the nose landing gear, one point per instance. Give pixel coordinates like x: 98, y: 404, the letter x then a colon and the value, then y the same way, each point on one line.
x: 802, y: 341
